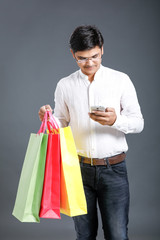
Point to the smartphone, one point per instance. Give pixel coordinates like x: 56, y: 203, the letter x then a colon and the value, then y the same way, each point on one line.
x: 98, y: 108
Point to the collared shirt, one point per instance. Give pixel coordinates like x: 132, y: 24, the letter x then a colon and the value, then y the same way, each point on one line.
x: 74, y: 97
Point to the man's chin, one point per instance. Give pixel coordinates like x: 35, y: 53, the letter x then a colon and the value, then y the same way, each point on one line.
x: 90, y: 69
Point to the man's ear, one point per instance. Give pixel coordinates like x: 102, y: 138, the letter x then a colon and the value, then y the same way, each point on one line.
x: 72, y: 53
x: 102, y: 49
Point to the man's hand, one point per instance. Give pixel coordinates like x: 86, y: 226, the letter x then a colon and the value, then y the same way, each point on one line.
x: 105, y: 118
x: 42, y: 111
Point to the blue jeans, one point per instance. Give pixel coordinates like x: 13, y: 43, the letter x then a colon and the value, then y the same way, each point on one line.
x: 107, y: 185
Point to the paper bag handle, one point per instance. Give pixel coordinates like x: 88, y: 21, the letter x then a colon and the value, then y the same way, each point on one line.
x: 44, y: 124
x: 48, y: 120
x: 52, y: 120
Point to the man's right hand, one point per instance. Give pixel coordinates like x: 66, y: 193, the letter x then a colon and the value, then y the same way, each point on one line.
x: 42, y: 111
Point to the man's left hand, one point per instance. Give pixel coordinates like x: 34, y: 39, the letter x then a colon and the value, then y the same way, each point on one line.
x: 105, y: 118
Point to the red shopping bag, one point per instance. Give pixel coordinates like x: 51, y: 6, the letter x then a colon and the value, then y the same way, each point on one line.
x: 50, y: 202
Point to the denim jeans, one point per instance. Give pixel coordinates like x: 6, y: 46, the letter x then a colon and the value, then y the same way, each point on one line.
x: 107, y: 186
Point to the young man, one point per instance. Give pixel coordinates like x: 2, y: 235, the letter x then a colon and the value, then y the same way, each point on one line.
x: 99, y: 134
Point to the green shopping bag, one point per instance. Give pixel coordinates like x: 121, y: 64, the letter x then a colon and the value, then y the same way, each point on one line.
x: 30, y: 187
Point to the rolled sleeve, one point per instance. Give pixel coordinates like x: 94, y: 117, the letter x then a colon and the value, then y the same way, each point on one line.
x: 130, y: 119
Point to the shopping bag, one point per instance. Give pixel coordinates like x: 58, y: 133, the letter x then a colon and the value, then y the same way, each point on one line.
x: 50, y: 202
x: 28, y: 199
x: 73, y: 201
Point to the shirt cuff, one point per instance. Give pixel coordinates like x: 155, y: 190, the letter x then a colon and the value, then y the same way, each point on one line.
x: 121, y: 124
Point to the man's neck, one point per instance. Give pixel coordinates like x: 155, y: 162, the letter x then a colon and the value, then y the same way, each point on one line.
x: 91, y: 77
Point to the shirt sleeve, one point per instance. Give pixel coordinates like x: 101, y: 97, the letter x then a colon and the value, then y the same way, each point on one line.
x: 130, y: 119
x: 61, y: 111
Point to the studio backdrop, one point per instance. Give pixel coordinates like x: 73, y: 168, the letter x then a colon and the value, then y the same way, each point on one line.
x: 35, y: 55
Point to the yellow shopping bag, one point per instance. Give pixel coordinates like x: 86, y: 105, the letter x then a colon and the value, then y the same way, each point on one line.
x: 73, y: 202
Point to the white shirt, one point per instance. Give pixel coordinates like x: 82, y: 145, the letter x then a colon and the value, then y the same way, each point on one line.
x: 75, y: 95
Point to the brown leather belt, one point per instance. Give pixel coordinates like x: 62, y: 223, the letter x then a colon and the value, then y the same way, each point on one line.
x: 103, y: 161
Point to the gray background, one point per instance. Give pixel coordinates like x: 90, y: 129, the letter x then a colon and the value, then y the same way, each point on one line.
x: 34, y: 55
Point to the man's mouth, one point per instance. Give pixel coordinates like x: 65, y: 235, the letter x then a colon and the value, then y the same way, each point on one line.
x: 89, y: 67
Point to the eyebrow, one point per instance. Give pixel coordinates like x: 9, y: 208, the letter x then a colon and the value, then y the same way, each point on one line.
x: 88, y: 57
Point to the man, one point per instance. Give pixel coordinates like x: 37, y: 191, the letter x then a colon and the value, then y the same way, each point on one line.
x: 99, y: 134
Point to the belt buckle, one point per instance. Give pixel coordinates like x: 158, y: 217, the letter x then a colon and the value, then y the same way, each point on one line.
x: 91, y: 161
x: 106, y: 161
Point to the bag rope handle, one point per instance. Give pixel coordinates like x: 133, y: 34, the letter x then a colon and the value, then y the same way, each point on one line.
x: 52, y: 120
x: 48, y: 121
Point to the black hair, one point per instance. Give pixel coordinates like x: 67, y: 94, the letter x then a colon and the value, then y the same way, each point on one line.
x: 85, y: 38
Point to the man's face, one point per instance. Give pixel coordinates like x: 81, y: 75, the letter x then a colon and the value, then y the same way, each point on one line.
x: 89, y: 60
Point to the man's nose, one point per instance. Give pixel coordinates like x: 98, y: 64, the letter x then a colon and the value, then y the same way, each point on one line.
x: 89, y: 59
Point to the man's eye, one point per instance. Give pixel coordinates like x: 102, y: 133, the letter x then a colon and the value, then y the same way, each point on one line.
x: 81, y: 58
x: 95, y: 56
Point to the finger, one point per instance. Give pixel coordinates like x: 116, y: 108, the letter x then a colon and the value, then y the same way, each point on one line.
x: 48, y: 108
x: 42, y: 110
x: 109, y: 109
x: 41, y: 116
x: 98, y: 113
x: 99, y: 118
x: 41, y: 113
